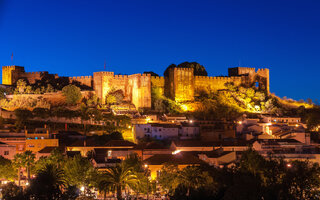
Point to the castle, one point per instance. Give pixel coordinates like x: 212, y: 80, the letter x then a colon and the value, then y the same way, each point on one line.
x: 179, y: 84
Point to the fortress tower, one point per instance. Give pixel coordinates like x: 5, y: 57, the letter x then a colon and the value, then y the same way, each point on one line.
x: 179, y: 84
x: 252, y: 77
x: 11, y: 74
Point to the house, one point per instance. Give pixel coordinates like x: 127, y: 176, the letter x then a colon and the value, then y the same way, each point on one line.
x: 46, y: 151
x: 218, y: 157
x: 162, y: 131
x: 89, y: 145
x: 191, y: 145
x: 7, y: 151
x: 147, y: 150
x: 181, y: 160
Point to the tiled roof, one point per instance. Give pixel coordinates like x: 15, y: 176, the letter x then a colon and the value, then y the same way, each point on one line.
x: 111, y: 143
x: 49, y: 149
x: 182, y: 158
x: 151, y: 145
x: 192, y: 143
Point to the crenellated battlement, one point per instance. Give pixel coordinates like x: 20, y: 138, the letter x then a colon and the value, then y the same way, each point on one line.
x: 36, y: 73
x: 80, y: 77
x: 180, y: 84
x: 183, y: 69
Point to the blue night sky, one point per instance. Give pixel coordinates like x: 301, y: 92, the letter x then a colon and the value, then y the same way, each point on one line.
x: 74, y: 38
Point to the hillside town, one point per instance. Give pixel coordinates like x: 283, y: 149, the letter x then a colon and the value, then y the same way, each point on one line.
x: 105, y: 121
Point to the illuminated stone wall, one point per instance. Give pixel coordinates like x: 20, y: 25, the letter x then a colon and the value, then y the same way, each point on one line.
x: 10, y: 74
x: 179, y: 84
x: 136, y: 88
x: 83, y: 80
x: 251, y: 76
x: 158, y: 82
x: 212, y: 84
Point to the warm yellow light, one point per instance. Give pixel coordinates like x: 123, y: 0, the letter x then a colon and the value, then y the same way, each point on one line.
x: 148, y: 119
x: 5, y: 182
x: 269, y: 124
x: 176, y: 152
x: 27, y: 183
x: 145, y: 166
x: 297, y: 125
x: 239, y: 122
x: 129, y: 126
x: 82, y: 188
x: 184, y: 107
x: 191, y: 121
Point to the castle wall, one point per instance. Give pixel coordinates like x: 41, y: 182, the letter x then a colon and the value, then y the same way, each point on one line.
x: 10, y: 74
x: 83, y: 80
x: 212, y: 84
x: 32, y: 77
x: 179, y: 85
x: 136, y: 88
x: 158, y: 82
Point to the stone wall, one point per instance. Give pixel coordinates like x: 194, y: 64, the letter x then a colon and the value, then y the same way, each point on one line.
x: 158, y: 82
x: 136, y: 88
x: 212, y: 84
x: 83, y: 80
x: 179, y: 84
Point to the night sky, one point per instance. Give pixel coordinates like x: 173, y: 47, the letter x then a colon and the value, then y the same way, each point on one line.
x: 74, y: 38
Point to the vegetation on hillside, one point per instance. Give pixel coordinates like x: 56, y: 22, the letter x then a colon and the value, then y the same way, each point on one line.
x: 252, y: 177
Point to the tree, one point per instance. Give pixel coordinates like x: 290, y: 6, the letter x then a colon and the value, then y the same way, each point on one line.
x: 168, y: 178
x: 56, y: 158
x: 22, y: 115
x: 7, y: 170
x: 3, y: 92
x: 11, y: 191
x: 79, y: 171
x: 191, y: 177
x: 119, y: 177
x: 28, y: 161
x: 48, y: 183
x: 72, y: 94
x: 21, y: 86
x: 18, y: 164
x: 302, y: 180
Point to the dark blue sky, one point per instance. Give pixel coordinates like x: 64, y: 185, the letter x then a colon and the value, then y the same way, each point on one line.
x: 73, y: 38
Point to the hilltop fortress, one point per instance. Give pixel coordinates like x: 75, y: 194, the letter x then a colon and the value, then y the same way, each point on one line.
x: 178, y: 83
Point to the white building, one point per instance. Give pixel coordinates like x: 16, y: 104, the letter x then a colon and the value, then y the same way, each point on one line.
x: 166, y: 131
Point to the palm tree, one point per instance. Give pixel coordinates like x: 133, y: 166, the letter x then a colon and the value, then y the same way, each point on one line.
x: 191, y: 177
x: 18, y: 164
x: 104, y: 185
x: 119, y: 177
x: 49, y: 182
x: 28, y: 160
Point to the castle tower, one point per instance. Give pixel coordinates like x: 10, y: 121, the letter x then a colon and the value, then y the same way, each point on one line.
x: 10, y: 74
x: 179, y: 84
x: 252, y: 77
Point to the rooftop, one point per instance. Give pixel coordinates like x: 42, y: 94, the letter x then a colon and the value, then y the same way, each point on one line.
x: 182, y: 158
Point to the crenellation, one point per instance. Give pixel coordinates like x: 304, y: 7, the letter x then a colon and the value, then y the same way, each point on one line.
x: 179, y: 84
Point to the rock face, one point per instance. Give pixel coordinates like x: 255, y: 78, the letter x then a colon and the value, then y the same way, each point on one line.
x: 180, y: 82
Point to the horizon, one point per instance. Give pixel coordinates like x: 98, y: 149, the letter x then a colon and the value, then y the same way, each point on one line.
x: 77, y: 38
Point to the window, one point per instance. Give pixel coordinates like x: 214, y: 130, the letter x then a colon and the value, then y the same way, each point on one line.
x: 6, y: 153
x: 159, y: 129
x: 109, y: 153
